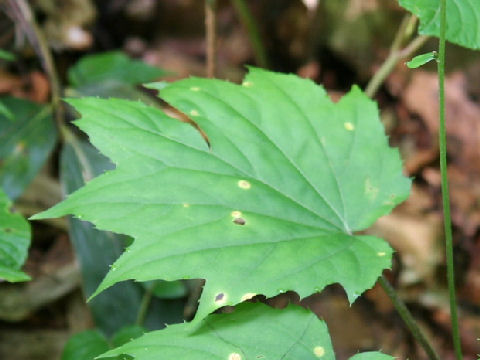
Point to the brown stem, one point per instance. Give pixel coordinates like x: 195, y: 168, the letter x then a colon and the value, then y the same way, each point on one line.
x: 211, y: 34
x: 22, y: 14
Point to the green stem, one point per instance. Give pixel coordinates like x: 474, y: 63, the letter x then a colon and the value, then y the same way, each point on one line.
x: 144, y: 305
x: 408, y: 318
x: 248, y: 21
x: 442, y: 134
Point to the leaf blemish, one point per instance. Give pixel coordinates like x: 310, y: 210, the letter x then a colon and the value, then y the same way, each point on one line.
x: 247, y: 83
x: 371, y: 191
x: 381, y: 253
x: 195, y: 88
x: 234, y: 356
x: 220, y: 298
x: 244, y: 184
x: 248, y: 296
x: 319, y: 351
x: 349, y: 126
x: 186, y: 205
x: 239, y: 221
x: 194, y: 112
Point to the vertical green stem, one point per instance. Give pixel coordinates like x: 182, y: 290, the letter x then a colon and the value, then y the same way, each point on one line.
x: 248, y: 21
x: 408, y: 318
x: 445, y: 195
x: 144, y: 305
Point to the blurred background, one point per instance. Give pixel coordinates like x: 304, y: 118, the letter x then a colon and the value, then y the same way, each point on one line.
x: 108, y: 48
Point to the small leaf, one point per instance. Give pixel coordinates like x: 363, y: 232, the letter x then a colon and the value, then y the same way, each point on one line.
x: 86, y: 345
x: 26, y: 141
x: 113, y: 65
x: 127, y: 334
x: 420, y: 60
x: 252, y: 331
x: 463, y: 19
x: 270, y: 207
x: 14, y: 242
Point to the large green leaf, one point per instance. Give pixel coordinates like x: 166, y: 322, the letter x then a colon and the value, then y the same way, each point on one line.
x: 26, y: 140
x: 253, y: 331
x: 85, y: 345
x: 112, y: 65
x: 14, y: 242
x: 271, y: 207
x: 463, y: 19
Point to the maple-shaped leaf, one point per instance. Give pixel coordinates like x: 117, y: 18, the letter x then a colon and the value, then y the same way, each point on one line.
x: 272, y: 205
x: 252, y: 331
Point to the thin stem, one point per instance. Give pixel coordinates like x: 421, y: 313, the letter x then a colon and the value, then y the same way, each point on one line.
x: 22, y: 13
x: 408, y: 318
x: 211, y: 36
x: 392, y: 60
x: 442, y: 134
x: 248, y: 21
x: 144, y: 305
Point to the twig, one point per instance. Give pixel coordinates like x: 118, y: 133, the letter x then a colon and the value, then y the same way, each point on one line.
x: 442, y: 134
x: 211, y: 36
x: 396, y: 54
x: 248, y: 21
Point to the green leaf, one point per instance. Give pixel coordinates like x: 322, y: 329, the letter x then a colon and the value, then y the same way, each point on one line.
x: 271, y: 207
x: 420, y: 60
x: 252, y: 331
x: 463, y: 20
x: 14, y: 242
x: 127, y: 334
x: 25, y: 143
x: 86, y: 345
x: 113, y: 65
x: 7, y: 55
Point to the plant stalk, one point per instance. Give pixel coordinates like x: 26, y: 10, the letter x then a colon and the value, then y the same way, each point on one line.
x: 397, y: 54
x: 250, y: 25
x: 408, y: 319
x: 144, y: 305
x: 211, y: 36
x: 21, y: 12
x: 442, y: 134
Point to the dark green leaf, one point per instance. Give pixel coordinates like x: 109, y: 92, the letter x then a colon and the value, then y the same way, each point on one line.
x: 114, y: 65
x: 86, y: 345
x: 14, y: 242
x: 127, y: 334
x: 7, y: 55
x: 26, y: 141
x: 167, y: 289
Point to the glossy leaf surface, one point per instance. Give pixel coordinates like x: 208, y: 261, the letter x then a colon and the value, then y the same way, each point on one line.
x: 14, y: 242
x: 463, y: 19
x: 271, y: 207
x: 27, y: 138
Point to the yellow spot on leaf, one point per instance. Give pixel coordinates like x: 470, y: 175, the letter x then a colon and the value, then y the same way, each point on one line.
x: 349, y: 126
x: 186, y: 205
x: 194, y: 113
x: 247, y: 83
x: 319, y: 351
x: 371, y: 191
x: 195, y: 88
x: 244, y: 184
x: 236, y: 214
x: 248, y: 296
x: 234, y: 356
x: 381, y: 253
